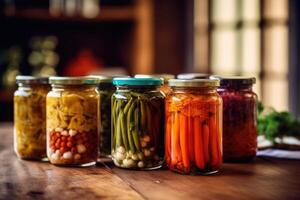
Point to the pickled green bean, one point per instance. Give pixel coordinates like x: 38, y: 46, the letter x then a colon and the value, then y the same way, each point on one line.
x: 129, y: 132
x: 123, y: 130
x: 136, y: 122
x: 136, y: 130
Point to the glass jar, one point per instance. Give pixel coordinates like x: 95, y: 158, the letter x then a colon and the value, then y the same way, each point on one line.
x: 73, y: 121
x: 193, y: 139
x: 106, y: 90
x: 138, y: 123
x: 192, y: 76
x: 165, y: 77
x: 30, y: 117
x: 239, y: 118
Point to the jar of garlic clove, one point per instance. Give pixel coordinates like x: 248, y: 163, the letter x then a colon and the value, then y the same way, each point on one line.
x: 72, y: 121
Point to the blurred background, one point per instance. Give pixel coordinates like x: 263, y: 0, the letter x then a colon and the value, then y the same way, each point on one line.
x: 80, y: 37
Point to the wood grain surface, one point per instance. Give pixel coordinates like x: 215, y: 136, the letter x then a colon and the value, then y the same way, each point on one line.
x: 265, y: 178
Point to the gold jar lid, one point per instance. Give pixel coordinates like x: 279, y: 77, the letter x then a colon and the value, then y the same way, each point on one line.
x: 74, y: 80
x: 194, y: 83
x: 32, y: 79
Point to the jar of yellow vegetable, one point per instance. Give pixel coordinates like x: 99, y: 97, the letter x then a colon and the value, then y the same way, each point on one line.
x: 30, y: 117
x: 73, y: 121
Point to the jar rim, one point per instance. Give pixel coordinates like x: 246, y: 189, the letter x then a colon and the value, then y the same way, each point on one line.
x: 73, y: 80
x: 137, y: 81
x: 193, y: 83
x: 234, y: 80
x: 32, y: 79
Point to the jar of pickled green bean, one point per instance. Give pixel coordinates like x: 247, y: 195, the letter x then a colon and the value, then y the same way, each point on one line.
x: 138, y: 123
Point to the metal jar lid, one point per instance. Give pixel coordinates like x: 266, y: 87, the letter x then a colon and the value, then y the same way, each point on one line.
x: 137, y: 81
x: 193, y: 83
x: 32, y: 79
x: 75, y: 80
x: 234, y: 80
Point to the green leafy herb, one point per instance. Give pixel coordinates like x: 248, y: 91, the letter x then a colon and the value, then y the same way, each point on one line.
x: 274, y: 124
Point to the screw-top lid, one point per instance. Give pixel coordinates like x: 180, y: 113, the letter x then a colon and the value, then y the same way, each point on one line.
x: 193, y: 83
x: 164, y: 77
x: 75, y: 80
x: 137, y: 81
x: 234, y: 80
x: 193, y: 76
x: 32, y: 79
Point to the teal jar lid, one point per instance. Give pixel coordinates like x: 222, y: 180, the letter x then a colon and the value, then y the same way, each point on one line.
x: 137, y: 81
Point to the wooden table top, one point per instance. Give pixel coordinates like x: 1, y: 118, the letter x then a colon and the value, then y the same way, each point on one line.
x: 266, y: 178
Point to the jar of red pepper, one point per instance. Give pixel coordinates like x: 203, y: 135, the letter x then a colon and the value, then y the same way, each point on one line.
x: 239, y: 118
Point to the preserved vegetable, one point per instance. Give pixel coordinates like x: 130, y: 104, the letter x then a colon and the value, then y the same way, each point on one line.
x: 239, y: 118
x: 30, y: 117
x: 138, y: 129
x: 193, y: 127
x: 72, y: 121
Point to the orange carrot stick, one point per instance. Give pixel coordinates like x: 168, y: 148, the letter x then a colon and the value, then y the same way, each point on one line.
x: 175, y: 146
x: 205, y: 138
x: 214, y: 139
x: 184, y: 142
x: 191, y: 139
x: 198, y: 143
x: 168, y: 139
x: 219, y: 127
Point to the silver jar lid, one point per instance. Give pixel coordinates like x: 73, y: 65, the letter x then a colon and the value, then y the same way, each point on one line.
x: 193, y: 83
x: 32, y: 79
x: 74, y: 80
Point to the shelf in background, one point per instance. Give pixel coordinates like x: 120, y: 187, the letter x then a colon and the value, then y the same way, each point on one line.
x: 106, y: 14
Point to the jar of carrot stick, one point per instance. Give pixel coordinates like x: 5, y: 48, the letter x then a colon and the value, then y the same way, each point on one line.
x: 239, y: 118
x: 138, y: 123
x: 193, y: 139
